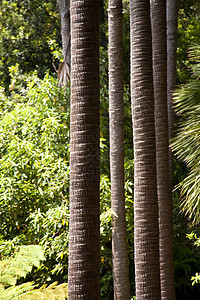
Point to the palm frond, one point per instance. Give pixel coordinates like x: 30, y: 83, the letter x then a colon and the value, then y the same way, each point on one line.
x: 186, y: 144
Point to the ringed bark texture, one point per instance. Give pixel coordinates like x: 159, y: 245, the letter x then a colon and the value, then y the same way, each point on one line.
x: 116, y: 119
x: 64, y: 6
x: 84, y: 249
x: 146, y: 234
x: 158, y: 14
x: 172, y: 26
x: 172, y: 23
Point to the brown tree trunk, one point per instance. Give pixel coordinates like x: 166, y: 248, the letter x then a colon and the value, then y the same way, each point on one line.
x: 65, y: 67
x: 172, y: 24
x: 158, y: 9
x: 116, y: 119
x: 84, y: 249
x: 146, y: 232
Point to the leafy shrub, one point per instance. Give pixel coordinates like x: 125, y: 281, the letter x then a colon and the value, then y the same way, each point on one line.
x: 34, y: 154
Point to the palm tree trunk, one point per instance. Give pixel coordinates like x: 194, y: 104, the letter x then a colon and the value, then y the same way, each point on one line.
x: 172, y: 24
x: 116, y: 119
x: 84, y: 249
x: 146, y: 232
x: 65, y: 67
x: 158, y: 9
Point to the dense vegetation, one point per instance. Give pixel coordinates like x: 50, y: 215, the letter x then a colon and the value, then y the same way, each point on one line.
x: 34, y: 150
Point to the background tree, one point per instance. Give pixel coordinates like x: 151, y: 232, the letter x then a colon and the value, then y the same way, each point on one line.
x: 146, y: 234
x: 116, y: 124
x: 159, y: 42
x: 64, y: 67
x: 172, y: 23
x: 84, y: 243
x: 172, y: 27
x: 29, y: 36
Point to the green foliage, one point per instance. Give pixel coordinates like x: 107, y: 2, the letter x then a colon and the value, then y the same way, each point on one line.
x: 188, y: 34
x: 19, y: 264
x: 186, y: 148
x: 104, y: 127
x: 27, y: 291
x: 15, y: 292
x: 106, y: 233
x: 184, y: 262
x: 29, y: 35
x: 53, y: 291
x: 196, y: 241
x: 195, y: 279
x: 51, y: 229
x: 34, y: 179
x: 34, y: 153
x: 186, y: 144
x: 186, y: 257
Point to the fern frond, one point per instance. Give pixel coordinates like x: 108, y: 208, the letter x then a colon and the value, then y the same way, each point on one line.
x: 15, y: 271
x: 19, y: 264
x: 13, y: 293
x: 1, y: 288
x: 27, y: 291
x: 52, y: 292
x: 8, y: 280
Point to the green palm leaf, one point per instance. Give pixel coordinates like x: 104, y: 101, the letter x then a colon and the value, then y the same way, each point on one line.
x: 186, y: 144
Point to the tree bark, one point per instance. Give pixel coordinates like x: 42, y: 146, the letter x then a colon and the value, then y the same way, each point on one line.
x: 158, y: 18
x: 65, y: 67
x: 64, y: 6
x: 116, y: 124
x: 146, y: 233
x: 172, y: 25
x: 84, y: 241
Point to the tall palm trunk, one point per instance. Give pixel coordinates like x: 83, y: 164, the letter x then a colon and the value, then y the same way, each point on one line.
x: 172, y: 24
x: 116, y: 118
x: 158, y: 9
x: 84, y: 252
x: 146, y: 234
x: 64, y: 6
x: 64, y: 67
